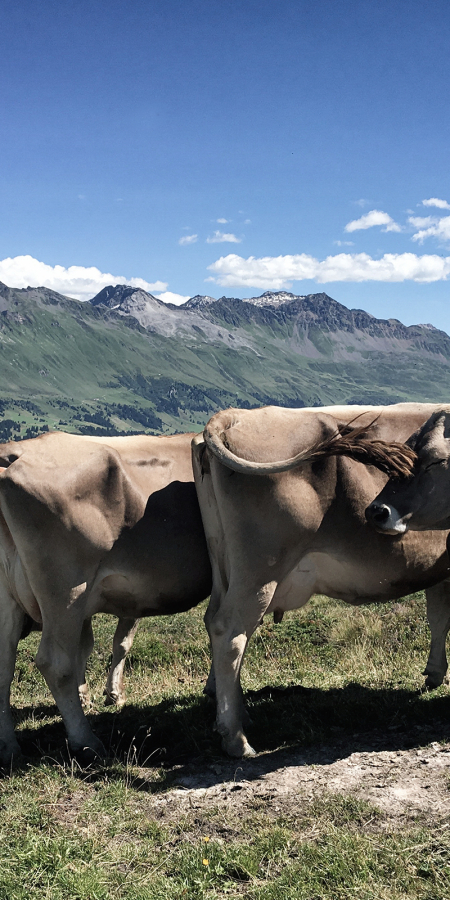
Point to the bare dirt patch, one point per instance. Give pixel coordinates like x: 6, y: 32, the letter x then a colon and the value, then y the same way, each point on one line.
x: 67, y: 810
x: 407, y: 785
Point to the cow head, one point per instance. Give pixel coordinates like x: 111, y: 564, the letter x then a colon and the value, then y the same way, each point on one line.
x: 421, y: 501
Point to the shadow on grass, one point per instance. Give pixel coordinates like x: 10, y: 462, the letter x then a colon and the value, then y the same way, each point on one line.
x: 301, y: 725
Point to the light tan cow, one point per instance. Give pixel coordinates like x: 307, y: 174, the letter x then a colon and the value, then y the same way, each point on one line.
x: 92, y: 525
x: 278, y: 532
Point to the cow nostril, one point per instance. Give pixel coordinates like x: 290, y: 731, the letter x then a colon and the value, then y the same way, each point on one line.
x: 378, y: 512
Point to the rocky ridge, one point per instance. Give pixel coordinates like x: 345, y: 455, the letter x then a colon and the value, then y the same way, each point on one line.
x: 294, y: 318
x: 348, y: 329
x: 126, y: 357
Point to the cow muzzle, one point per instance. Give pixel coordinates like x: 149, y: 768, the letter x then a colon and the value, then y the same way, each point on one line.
x: 385, y: 519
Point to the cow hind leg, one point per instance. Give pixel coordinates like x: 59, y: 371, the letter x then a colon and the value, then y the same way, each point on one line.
x: 85, y: 649
x: 438, y: 615
x: 210, y: 686
x: 58, y: 659
x: 122, y: 644
x: 212, y: 609
x: 230, y: 630
x: 11, y: 625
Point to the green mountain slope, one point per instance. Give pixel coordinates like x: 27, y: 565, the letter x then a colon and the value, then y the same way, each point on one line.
x: 125, y: 361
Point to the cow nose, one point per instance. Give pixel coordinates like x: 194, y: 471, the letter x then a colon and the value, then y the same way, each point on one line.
x: 378, y: 512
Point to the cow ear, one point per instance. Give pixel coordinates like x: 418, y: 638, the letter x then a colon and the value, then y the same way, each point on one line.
x: 438, y: 440
x: 441, y: 427
x: 446, y: 425
x: 435, y: 432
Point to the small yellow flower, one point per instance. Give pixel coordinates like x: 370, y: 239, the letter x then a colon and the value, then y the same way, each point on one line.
x: 206, y: 862
x: 206, y: 839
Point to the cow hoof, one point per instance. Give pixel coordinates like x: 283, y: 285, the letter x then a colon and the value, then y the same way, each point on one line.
x: 248, y: 751
x: 88, y: 756
x: 431, y: 683
x: 114, y: 699
x: 239, y: 748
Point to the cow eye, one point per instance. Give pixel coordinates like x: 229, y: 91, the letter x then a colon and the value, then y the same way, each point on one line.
x: 436, y: 462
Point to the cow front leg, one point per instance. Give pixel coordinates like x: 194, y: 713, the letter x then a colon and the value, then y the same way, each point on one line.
x: 122, y: 644
x: 11, y: 623
x: 438, y: 615
x: 58, y: 659
x: 230, y: 630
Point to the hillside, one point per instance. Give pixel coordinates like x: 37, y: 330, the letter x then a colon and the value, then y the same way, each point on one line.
x: 125, y: 361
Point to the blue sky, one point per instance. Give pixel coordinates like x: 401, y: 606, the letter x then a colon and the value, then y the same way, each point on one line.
x: 179, y: 141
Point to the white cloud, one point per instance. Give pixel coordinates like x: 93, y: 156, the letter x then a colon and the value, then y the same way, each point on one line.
x: 374, y: 217
x: 220, y: 238
x: 344, y: 243
x: 247, y: 221
x: 169, y: 297
x: 222, y: 221
x: 431, y: 226
x: 76, y: 281
x: 277, y: 272
x: 361, y: 202
x: 434, y: 201
x: 188, y: 239
x: 422, y: 221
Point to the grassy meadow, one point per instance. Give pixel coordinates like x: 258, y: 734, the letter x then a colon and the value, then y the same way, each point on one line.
x: 326, y: 673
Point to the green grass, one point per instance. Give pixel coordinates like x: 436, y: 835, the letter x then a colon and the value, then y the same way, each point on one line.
x: 325, y: 671
x: 64, y: 839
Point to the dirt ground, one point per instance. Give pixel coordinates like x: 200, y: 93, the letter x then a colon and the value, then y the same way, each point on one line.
x: 407, y: 784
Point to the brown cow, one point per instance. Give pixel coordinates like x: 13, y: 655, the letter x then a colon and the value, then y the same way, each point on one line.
x: 92, y: 525
x: 278, y: 532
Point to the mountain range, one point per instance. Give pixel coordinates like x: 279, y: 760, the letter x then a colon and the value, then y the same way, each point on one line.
x: 125, y: 361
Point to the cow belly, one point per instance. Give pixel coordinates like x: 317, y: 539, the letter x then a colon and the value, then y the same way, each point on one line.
x: 22, y: 592
x: 320, y: 573
x: 139, y: 595
x: 123, y: 594
x: 295, y: 590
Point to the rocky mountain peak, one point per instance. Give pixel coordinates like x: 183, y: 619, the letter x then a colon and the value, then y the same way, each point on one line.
x: 124, y: 298
x: 198, y: 302
x: 140, y: 301
x: 111, y: 296
x: 273, y: 298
